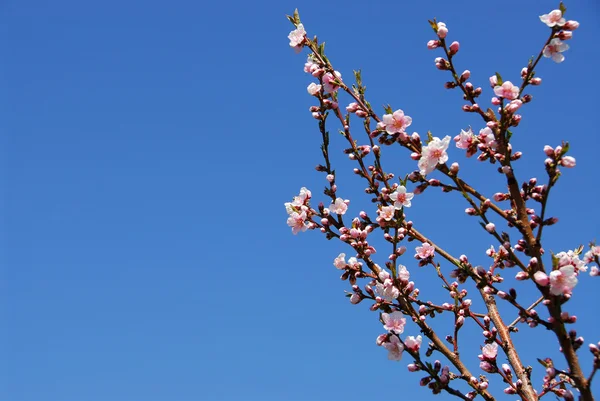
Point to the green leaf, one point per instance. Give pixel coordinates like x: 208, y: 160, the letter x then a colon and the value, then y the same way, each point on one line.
x: 433, y: 24
x: 429, y: 137
x: 358, y: 78
x: 388, y: 109
x: 499, y: 78
x: 562, y: 8
x: 296, y: 16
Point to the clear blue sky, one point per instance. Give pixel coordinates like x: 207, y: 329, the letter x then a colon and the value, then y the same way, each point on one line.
x: 148, y: 148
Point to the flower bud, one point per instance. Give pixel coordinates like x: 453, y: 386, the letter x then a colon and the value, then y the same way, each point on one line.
x: 432, y: 44
x: 571, y: 25
x: 454, y: 47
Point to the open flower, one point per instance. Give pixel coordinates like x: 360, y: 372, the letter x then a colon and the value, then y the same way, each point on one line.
x: 395, y: 348
x: 387, y: 212
x: 394, y: 322
x: 507, y: 90
x: 489, y: 352
x: 413, y: 343
x: 553, y: 18
x: 387, y: 290
x: 401, y: 197
x: 563, y: 280
x: 396, y: 122
x: 297, y: 37
x: 433, y: 154
x: 340, y: 261
x: 313, y: 89
x: 425, y: 251
x: 298, y: 222
x: 554, y: 50
x: 339, y: 206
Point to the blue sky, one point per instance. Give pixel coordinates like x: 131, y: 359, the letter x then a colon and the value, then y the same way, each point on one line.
x: 148, y: 148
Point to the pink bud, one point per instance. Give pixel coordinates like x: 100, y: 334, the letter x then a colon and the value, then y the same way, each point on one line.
x: 496, y: 101
x: 522, y: 276
x: 432, y: 44
x: 493, y: 81
x: 490, y: 227
x: 571, y: 25
x: 412, y: 367
x: 565, y: 35
x: 567, y: 161
x: 541, y: 278
x: 442, y: 30
x: 454, y: 47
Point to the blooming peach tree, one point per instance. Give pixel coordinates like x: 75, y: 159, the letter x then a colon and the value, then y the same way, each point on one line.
x: 518, y: 250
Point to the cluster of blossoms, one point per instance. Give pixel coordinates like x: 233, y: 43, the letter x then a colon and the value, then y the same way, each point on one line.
x: 299, y: 211
x: 484, y: 142
x: 555, y: 20
x: 389, y: 288
x: 567, y: 267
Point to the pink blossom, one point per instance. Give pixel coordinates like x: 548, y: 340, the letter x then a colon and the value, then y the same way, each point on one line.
x: 329, y: 82
x: 425, y: 251
x: 311, y: 65
x: 486, y: 136
x: 297, y: 37
x: 340, y: 261
x: 454, y: 47
x: 401, y: 197
x: 313, y: 89
x: 487, y: 367
x: 387, y: 290
x: 298, y: 222
x: 387, y: 212
x: 340, y: 206
x: 489, y: 351
x: 554, y: 50
x: 507, y: 90
x: 442, y: 30
x: 465, y: 139
x: 432, y: 44
x: 541, y: 278
x: 403, y: 273
x: 381, y: 339
x: 394, y: 322
x: 413, y: 343
x: 353, y: 262
x: 302, y: 198
x: 553, y: 18
x: 493, y: 81
x: 568, y: 161
x: 355, y: 298
x: 594, y: 271
x: 593, y: 252
x: 396, y: 122
x: 433, y: 154
x: 563, y: 280
x: 570, y: 258
x: 571, y: 25
x: 395, y: 348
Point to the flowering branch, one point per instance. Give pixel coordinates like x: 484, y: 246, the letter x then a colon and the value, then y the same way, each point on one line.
x: 391, y: 290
